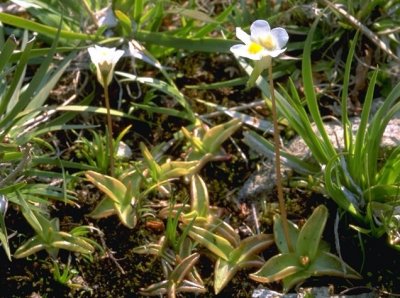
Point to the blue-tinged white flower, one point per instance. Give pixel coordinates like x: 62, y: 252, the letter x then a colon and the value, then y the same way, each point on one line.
x: 262, y: 41
x: 105, y: 60
x: 106, y: 17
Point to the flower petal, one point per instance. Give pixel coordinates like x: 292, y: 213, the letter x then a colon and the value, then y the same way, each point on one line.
x: 93, y: 55
x: 243, y: 36
x: 281, y: 36
x: 274, y: 53
x: 241, y: 50
x: 259, y: 28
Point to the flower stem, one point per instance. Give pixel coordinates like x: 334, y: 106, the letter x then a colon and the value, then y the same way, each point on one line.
x: 109, y: 130
x: 281, y: 199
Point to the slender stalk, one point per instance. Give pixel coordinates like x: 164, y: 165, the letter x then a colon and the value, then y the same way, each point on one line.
x: 109, y: 130
x: 90, y: 13
x: 281, y: 199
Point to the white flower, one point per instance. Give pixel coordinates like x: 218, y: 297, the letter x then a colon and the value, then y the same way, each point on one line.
x: 261, y: 42
x: 105, y: 60
x: 106, y: 17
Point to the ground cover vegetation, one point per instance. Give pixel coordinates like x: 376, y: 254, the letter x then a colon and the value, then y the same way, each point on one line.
x: 128, y: 129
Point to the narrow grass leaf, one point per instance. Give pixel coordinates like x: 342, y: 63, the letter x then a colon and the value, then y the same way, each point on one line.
x: 311, y: 99
x: 49, y: 31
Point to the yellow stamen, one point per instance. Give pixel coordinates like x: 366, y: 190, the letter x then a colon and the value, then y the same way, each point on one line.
x: 254, y: 48
x: 268, y: 42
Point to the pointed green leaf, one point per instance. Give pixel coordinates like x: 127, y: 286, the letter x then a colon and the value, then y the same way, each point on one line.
x: 199, y: 196
x: 125, y: 22
x: 4, y: 243
x: 173, y: 174
x: 154, y: 168
x: 112, y: 187
x: 7, y: 50
x: 218, y: 226
x: 279, y: 234
x: 224, y: 271
x: 77, y: 240
x: 104, y: 209
x: 311, y: 233
x: 251, y: 246
x: 191, y: 13
x: 196, y: 143
x: 216, y: 244
x: 129, y: 198
x: 278, y: 267
x: 30, y: 247
x: 329, y: 264
x: 214, y: 138
x: 3, y: 227
x: 294, y: 279
x: 191, y: 287
x: 67, y: 245
x: 159, y: 288
x: 127, y: 215
x: 183, y: 268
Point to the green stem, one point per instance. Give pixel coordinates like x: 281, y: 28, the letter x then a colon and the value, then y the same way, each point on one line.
x: 279, y: 187
x: 109, y: 130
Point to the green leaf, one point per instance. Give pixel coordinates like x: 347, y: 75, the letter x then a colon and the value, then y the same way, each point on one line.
x: 138, y: 10
x: 390, y: 171
x: 92, y: 109
x: 224, y: 271
x: 199, y: 196
x: 155, y: 169
x: 10, y: 97
x: 347, y: 133
x: 215, y: 136
x: 125, y: 22
x: 167, y: 88
x: 103, y: 209
x: 251, y: 246
x: 30, y: 247
x: 383, y: 193
x: 216, y: 244
x: 329, y: 264
x: 183, y: 268
x: 7, y: 51
x: 279, y: 234
x: 127, y: 215
x: 112, y: 187
x: 216, y: 225
x: 265, y: 147
x: 3, y: 227
x: 377, y: 127
x: 294, y: 279
x: 50, y: 31
x: 311, y: 233
x: 278, y: 267
x: 191, y: 13
x: 311, y: 99
x: 211, y: 45
x: 336, y: 192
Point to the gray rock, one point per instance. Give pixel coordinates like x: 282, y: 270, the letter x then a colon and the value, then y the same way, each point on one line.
x: 317, y: 292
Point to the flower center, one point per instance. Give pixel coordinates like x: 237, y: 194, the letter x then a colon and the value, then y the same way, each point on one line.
x: 304, y: 260
x: 268, y: 42
x: 254, y: 48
